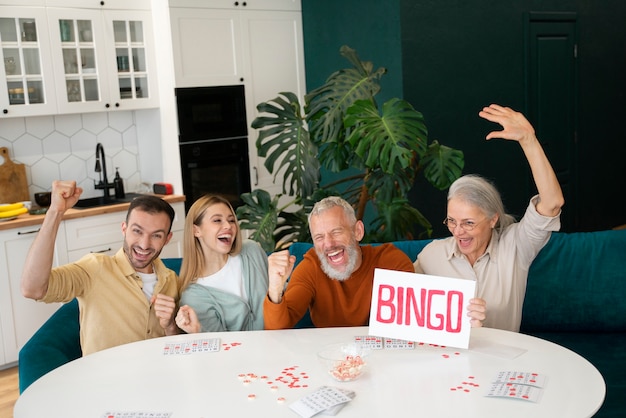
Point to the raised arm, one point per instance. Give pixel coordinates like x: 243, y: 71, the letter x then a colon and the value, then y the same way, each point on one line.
x: 280, y: 266
x: 36, y: 273
x: 517, y: 128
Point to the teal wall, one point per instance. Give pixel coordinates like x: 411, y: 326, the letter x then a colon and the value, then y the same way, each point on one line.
x: 370, y: 27
x: 449, y: 58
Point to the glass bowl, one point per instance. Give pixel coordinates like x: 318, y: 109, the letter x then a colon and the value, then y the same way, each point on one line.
x: 344, y: 361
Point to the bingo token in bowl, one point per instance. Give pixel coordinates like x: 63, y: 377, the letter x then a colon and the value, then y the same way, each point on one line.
x: 345, y: 361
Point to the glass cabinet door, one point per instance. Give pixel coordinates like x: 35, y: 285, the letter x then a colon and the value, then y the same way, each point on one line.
x: 130, y: 55
x: 79, y: 60
x: 78, y: 46
x: 25, y: 90
x: 134, y: 81
x: 101, y: 59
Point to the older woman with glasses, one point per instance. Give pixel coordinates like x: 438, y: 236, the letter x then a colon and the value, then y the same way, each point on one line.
x: 487, y: 245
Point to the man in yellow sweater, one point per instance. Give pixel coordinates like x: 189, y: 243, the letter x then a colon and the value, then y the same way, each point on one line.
x: 123, y: 298
x: 335, y: 278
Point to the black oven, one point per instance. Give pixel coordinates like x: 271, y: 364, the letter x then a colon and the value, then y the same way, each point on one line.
x: 213, y: 142
x: 211, y: 113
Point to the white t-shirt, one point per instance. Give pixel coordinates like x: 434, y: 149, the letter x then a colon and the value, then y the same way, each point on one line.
x: 229, y: 278
x: 149, y: 281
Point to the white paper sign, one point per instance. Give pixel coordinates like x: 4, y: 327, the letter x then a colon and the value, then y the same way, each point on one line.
x: 421, y: 308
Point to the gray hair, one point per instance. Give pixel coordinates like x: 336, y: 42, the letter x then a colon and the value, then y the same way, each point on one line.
x: 331, y: 202
x: 480, y: 192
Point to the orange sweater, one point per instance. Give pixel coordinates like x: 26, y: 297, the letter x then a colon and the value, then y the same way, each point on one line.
x: 332, y: 303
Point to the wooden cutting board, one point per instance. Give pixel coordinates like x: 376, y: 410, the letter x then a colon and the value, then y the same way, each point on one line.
x: 13, y: 183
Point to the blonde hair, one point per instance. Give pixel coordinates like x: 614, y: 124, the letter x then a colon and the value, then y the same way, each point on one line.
x: 194, y: 262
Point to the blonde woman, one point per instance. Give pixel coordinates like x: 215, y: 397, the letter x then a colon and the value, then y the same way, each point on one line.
x: 223, y: 278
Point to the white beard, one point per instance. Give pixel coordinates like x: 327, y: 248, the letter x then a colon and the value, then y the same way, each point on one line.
x: 352, y: 254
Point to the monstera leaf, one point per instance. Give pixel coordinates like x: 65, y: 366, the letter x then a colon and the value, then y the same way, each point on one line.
x: 379, y: 153
x: 386, y: 187
x: 327, y: 105
x: 396, y: 220
x: 390, y: 141
x: 442, y: 165
x: 259, y: 213
x: 292, y: 227
x: 284, y: 140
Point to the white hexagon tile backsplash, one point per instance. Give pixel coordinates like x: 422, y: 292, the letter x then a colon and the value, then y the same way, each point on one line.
x: 64, y: 147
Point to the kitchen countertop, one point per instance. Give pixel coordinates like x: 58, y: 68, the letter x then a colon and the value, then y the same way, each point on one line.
x: 29, y: 220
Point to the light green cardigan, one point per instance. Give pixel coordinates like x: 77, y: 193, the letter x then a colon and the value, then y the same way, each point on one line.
x: 222, y: 311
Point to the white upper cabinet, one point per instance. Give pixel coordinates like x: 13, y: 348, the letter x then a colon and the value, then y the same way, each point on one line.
x: 102, y: 60
x: 76, y: 56
x: 28, y: 87
x: 208, y: 48
x: 100, y: 4
x: 284, y: 5
x: 257, y: 44
x: 274, y: 64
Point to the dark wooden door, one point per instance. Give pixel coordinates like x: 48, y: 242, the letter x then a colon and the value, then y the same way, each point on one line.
x: 552, y: 100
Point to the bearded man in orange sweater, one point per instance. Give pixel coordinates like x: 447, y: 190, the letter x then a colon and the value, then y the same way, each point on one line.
x: 334, y: 280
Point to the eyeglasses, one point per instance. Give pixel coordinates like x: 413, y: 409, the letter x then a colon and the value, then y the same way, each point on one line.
x: 465, y: 226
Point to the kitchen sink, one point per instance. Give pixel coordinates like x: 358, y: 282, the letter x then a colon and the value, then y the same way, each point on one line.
x: 94, y: 202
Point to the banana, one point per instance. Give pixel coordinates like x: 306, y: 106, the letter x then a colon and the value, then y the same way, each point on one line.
x: 12, y: 206
x: 12, y: 213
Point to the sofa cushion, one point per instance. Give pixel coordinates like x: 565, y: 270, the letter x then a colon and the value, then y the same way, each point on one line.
x: 173, y: 264
x: 606, y: 352
x: 578, y: 283
x: 55, y: 343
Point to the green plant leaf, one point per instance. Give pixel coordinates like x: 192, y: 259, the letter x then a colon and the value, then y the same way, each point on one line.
x: 326, y: 106
x: 386, y: 187
x: 396, y: 220
x: 259, y: 213
x: 390, y: 141
x: 292, y: 227
x: 285, y: 141
x: 379, y: 153
x: 442, y: 165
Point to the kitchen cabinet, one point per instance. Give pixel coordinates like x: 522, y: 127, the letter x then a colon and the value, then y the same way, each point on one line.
x: 279, y: 5
x: 259, y: 45
x: 75, y: 57
x: 28, y: 88
x: 21, y: 317
x: 102, y: 59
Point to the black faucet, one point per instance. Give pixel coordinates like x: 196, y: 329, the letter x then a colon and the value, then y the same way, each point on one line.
x: 101, y: 168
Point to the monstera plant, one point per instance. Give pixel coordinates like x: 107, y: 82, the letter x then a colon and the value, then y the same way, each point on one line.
x: 376, y: 155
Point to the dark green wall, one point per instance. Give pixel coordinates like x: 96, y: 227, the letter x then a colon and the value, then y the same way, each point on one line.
x: 451, y: 58
x: 370, y: 27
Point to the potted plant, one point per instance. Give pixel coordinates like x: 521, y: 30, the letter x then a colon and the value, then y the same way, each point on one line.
x: 376, y: 153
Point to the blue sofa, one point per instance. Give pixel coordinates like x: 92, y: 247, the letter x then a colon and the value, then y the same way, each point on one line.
x: 576, y: 297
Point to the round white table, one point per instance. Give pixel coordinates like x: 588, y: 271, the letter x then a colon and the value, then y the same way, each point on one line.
x: 429, y: 380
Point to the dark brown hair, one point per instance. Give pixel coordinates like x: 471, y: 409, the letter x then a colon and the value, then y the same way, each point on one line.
x: 153, y: 205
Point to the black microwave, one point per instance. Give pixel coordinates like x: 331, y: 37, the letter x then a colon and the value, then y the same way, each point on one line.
x: 210, y: 113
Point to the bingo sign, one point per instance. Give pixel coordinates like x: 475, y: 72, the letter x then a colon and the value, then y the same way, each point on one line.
x: 421, y: 308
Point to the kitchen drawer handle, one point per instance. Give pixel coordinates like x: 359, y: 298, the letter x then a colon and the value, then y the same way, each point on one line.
x: 101, y: 251
x: 29, y: 232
